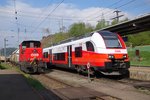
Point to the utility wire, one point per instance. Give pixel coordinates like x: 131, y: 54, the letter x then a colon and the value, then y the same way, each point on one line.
x: 16, y: 18
x: 69, y: 19
x: 40, y: 15
x: 104, y: 8
x: 72, y: 18
x: 48, y: 16
x: 36, y: 16
x: 109, y: 12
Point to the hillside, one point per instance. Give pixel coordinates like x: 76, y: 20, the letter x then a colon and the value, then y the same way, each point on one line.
x: 138, y: 39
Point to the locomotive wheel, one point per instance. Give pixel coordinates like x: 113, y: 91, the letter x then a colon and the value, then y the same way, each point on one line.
x: 45, y: 65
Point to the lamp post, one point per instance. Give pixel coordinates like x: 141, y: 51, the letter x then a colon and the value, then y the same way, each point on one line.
x: 5, y: 41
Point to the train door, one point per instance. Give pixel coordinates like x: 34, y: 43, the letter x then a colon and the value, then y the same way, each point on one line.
x: 50, y: 53
x: 69, y: 53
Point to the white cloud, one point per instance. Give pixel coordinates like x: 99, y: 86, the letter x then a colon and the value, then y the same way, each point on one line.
x: 29, y: 17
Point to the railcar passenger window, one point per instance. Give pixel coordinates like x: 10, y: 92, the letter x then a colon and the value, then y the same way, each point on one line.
x: 59, y: 56
x: 89, y: 46
x: 78, y: 52
x: 45, y: 54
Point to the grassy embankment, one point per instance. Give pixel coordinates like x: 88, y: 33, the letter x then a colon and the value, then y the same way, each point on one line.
x: 4, y: 66
x: 31, y: 81
x: 143, y: 59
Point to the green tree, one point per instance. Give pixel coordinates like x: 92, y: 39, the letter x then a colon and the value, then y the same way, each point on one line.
x: 114, y: 22
x: 139, y: 39
x: 126, y: 19
x: 88, y: 28
x: 101, y: 24
x: 59, y: 37
x: 78, y: 29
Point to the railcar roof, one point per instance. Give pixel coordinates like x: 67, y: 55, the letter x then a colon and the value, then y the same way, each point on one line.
x: 82, y: 36
x: 73, y: 39
x: 68, y: 43
x: 30, y: 41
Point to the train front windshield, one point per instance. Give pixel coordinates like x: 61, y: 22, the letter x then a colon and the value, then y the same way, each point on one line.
x: 111, y: 39
x: 31, y: 44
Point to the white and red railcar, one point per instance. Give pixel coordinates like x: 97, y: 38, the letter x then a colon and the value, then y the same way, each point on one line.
x: 103, y: 51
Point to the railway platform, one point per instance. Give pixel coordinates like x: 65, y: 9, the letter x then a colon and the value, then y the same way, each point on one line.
x: 13, y: 86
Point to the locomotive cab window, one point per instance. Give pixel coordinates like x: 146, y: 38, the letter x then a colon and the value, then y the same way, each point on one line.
x: 23, y: 47
x: 31, y: 44
x: 78, y: 52
x: 89, y: 46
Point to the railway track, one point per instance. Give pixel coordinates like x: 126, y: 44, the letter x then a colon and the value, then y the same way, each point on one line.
x: 69, y: 92
x: 143, y: 86
x: 138, y: 84
x: 128, y: 81
x: 120, y: 88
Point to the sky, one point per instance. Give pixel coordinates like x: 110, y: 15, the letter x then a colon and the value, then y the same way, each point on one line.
x: 28, y: 19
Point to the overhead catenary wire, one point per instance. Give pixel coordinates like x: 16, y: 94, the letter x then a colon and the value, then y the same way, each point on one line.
x: 47, y: 16
x: 54, y: 17
x: 33, y: 16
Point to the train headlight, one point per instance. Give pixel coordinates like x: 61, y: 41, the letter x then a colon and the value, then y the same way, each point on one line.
x: 124, y: 56
x: 111, y: 56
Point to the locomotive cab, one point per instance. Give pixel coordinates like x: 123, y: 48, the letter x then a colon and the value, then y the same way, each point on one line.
x: 31, y: 56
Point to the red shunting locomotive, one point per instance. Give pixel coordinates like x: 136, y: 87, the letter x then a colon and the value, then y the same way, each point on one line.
x: 30, y: 56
